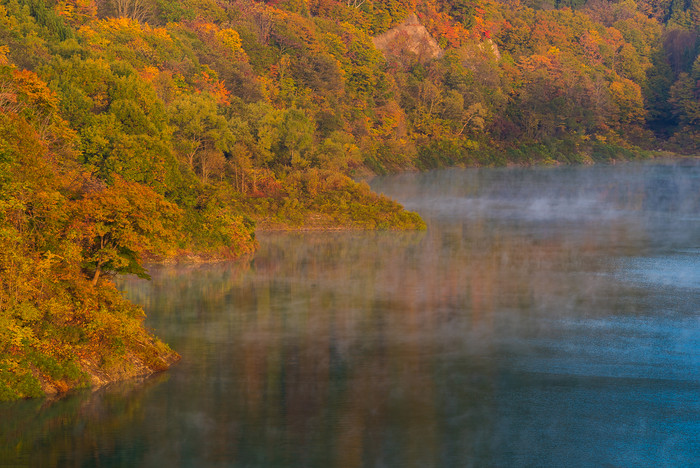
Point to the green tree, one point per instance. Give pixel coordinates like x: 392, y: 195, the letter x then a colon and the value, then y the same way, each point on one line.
x: 200, y: 132
x: 296, y: 138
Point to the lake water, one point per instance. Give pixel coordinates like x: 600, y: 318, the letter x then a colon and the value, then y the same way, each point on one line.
x: 547, y: 317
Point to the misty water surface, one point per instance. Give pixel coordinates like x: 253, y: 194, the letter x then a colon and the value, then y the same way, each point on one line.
x: 547, y: 317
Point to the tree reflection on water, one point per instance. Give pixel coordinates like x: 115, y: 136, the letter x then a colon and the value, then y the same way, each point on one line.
x: 485, y: 341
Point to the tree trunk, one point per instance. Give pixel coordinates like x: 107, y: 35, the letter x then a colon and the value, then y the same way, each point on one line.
x: 96, y: 277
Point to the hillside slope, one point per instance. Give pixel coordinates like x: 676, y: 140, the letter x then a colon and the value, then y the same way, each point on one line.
x: 153, y: 129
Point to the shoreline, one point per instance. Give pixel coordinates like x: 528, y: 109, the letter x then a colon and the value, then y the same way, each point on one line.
x: 161, y: 358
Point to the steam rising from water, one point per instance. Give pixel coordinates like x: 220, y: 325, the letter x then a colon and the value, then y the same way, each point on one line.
x: 657, y: 204
x: 547, y: 317
x: 570, y: 193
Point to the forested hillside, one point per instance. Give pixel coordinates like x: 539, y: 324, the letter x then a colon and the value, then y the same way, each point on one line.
x: 135, y: 129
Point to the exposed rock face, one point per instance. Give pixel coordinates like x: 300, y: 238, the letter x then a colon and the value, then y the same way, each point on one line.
x: 151, y: 357
x: 132, y: 366
x: 409, y: 39
x: 492, y: 46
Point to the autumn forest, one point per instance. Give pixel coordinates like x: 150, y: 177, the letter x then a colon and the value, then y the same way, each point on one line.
x: 170, y: 130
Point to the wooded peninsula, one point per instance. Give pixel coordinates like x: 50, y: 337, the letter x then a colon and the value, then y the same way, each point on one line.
x: 137, y: 130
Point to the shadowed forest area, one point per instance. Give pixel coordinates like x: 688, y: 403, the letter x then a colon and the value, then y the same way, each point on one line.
x: 157, y: 129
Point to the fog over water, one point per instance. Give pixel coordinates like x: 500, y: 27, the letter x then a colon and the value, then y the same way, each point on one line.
x: 547, y: 317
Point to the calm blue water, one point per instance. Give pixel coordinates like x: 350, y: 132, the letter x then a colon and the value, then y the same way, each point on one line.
x: 547, y: 317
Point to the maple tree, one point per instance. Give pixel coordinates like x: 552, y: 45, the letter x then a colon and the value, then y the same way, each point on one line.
x: 120, y: 223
